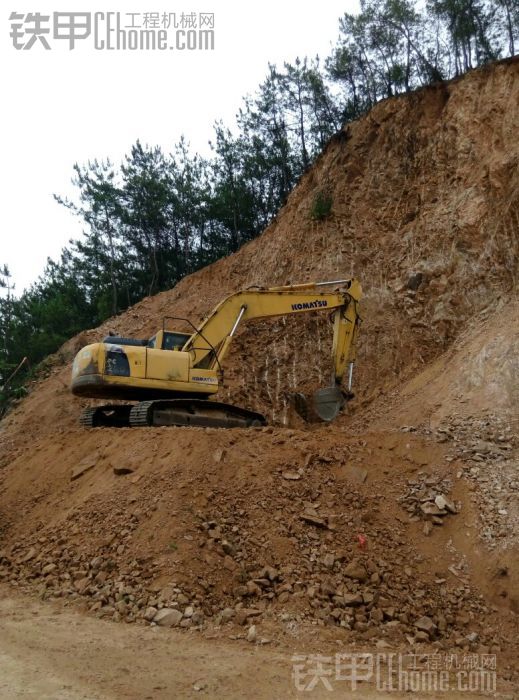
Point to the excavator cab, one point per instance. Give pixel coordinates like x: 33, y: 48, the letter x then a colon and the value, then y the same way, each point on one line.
x: 168, y: 340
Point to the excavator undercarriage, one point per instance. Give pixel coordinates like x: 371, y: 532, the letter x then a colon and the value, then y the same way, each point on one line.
x: 166, y: 412
x: 324, y: 405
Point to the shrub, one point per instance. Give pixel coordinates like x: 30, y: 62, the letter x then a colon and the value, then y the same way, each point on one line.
x: 321, y: 206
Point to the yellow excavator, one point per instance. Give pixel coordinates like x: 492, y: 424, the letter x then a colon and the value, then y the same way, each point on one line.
x: 172, y: 375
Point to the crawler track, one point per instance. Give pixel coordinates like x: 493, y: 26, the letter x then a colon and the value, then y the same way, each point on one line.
x: 108, y: 416
x: 193, y: 412
x: 171, y: 412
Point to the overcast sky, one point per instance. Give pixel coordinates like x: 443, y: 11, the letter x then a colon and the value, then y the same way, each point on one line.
x: 64, y: 106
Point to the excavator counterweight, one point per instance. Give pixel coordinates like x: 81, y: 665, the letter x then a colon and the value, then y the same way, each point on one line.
x: 174, y: 374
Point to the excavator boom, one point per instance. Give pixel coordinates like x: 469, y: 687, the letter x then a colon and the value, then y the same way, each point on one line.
x: 279, y: 301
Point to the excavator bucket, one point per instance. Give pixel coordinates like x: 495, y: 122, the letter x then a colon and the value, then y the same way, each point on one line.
x: 327, y: 403
x: 323, y: 405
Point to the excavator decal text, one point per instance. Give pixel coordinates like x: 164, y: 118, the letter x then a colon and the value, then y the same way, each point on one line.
x: 317, y: 304
x: 206, y: 380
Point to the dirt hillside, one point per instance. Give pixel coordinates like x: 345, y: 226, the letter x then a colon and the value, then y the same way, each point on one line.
x: 397, y: 524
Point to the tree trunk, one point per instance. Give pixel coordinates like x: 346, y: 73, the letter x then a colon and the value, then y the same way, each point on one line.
x: 113, y: 280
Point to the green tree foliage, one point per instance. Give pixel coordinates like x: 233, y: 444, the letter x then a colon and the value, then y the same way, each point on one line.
x: 97, y: 257
x: 6, y: 327
x: 159, y: 216
x: 470, y: 32
x: 507, y: 13
x: 393, y: 46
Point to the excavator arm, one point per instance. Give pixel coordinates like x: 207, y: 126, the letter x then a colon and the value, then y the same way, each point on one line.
x: 345, y: 331
x: 209, y: 345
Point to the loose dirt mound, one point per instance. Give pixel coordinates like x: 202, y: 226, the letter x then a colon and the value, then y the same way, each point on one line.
x: 377, y: 526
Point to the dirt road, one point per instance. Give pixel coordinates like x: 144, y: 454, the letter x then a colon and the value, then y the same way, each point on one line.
x: 51, y: 654
x: 48, y: 653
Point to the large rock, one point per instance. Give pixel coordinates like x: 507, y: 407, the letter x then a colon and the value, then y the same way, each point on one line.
x: 356, y: 570
x: 328, y: 561
x: 353, y: 599
x: 425, y: 624
x: 150, y: 613
x: 227, y: 614
x: 430, y: 508
x: 355, y: 473
x: 167, y: 617
x: 228, y: 548
x: 243, y: 614
x: 445, y: 503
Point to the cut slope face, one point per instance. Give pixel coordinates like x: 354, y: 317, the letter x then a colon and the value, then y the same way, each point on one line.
x: 478, y: 374
x: 425, y: 213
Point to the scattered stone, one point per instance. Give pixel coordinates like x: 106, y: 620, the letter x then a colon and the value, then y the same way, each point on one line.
x: 82, y: 584
x: 329, y: 561
x: 291, y: 476
x: 227, y: 614
x: 198, y: 618
x: 150, y: 613
x: 48, y: 569
x: 228, y: 548
x: 421, y: 636
x: 84, y: 466
x: 215, y: 533
x: 270, y: 573
x: 445, y: 503
x: 252, y: 634
x: 243, y: 614
x: 427, y: 528
x: 425, y: 624
x: 355, y: 473
x: 352, y: 599
x: 429, y: 508
x: 414, y: 281
x: 229, y: 563
x: 313, y: 520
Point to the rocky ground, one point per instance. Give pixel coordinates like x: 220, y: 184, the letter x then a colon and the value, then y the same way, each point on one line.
x: 273, y: 535
x: 50, y: 653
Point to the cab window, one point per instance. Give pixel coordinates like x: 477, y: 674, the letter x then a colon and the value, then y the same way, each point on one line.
x: 152, y: 342
x: 174, y: 341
